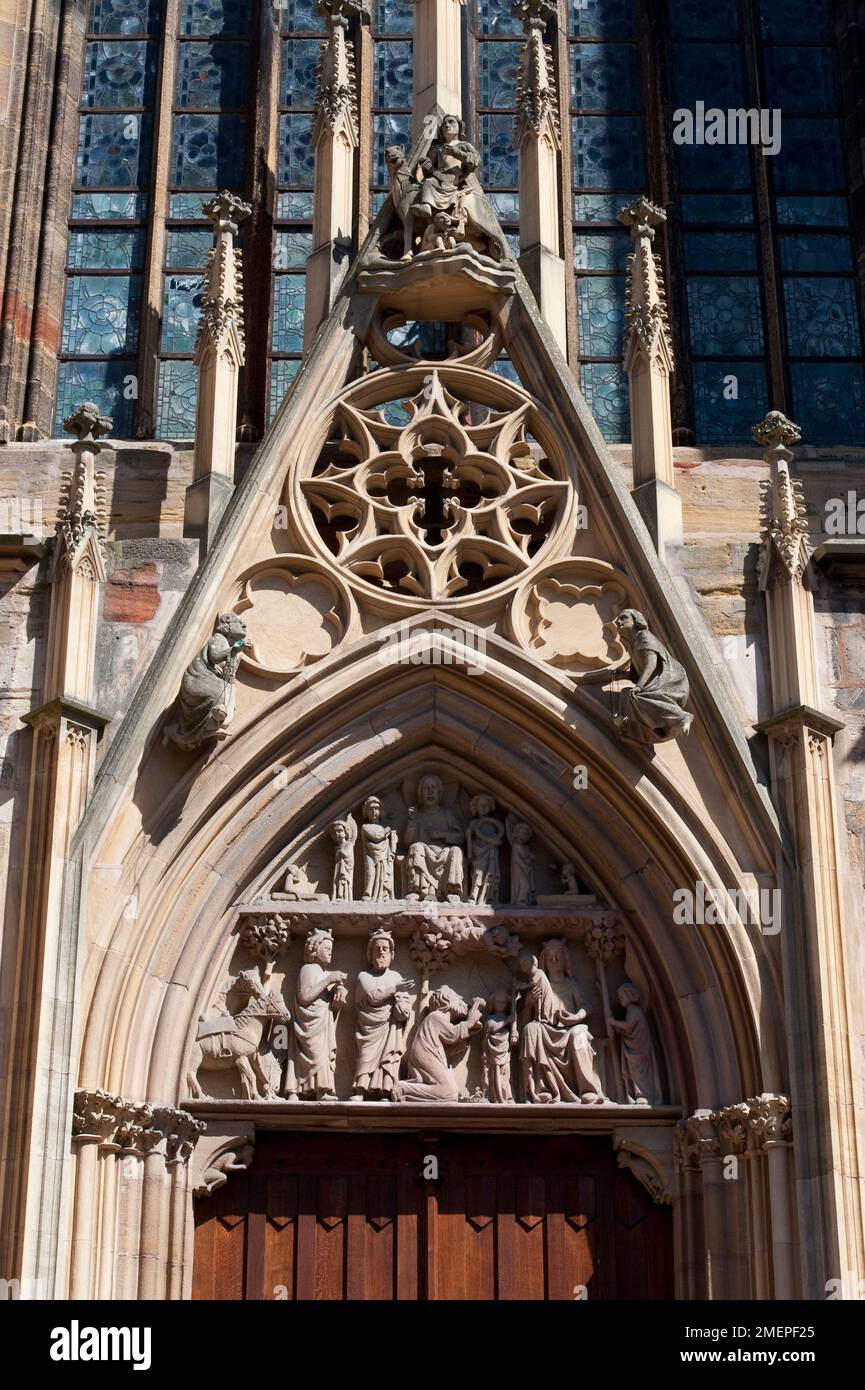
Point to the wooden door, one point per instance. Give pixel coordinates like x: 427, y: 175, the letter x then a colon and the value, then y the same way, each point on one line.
x: 360, y: 1217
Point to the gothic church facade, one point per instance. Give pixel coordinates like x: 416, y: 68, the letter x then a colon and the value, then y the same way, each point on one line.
x: 431, y: 445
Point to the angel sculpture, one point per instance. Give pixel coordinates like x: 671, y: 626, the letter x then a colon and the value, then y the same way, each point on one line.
x: 522, y: 861
x: 379, y: 852
x: 344, y: 836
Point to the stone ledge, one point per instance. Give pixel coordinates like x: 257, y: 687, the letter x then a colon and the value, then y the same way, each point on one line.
x: 562, y: 1117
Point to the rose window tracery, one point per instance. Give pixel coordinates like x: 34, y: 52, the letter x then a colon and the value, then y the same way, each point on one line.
x: 452, y: 493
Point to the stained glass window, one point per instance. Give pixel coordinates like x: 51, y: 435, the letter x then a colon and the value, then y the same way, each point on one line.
x: 208, y: 153
x: 608, y: 154
x: 721, y: 299
x: 302, y: 32
x: 107, y: 238
x: 393, y: 75
x: 807, y: 179
x: 497, y: 66
x: 498, y: 43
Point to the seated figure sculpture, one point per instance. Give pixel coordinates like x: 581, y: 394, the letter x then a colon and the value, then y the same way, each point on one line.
x: 434, y: 836
x: 448, y: 183
x: 557, y: 1058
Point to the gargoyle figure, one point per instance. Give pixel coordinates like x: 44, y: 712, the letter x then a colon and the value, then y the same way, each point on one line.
x: 655, y: 705
x: 205, y: 705
x: 444, y: 181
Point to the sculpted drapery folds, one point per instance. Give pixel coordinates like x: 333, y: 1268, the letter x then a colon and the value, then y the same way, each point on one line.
x: 639, y: 1064
x: 319, y: 995
x: 205, y: 705
x: 379, y: 852
x: 435, y: 837
x: 383, y: 1010
x: 655, y: 705
x: 447, y: 1022
x: 444, y: 184
x: 556, y: 1053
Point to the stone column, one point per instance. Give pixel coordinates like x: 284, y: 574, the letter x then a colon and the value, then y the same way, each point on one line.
x: 649, y: 364
x: 743, y: 1167
x: 824, y: 1001
x: 724, y: 1211
x: 437, y: 50
x: 688, y: 1239
x: 130, y: 1211
x: 218, y: 357
x: 538, y: 141
x: 770, y: 1130
x: 335, y: 139
x: 62, y: 761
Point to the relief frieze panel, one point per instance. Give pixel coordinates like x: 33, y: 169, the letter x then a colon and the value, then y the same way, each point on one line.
x: 363, y: 1007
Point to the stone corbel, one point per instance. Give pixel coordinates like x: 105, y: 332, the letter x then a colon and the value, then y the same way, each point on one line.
x: 647, y: 1151
x: 227, y: 1147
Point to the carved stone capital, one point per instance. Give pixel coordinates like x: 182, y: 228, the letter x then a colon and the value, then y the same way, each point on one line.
x: 697, y: 1140
x: 95, y: 1115
x: 748, y: 1127
x: 731, y: 1125
x: 134, y: 1126
x: 770, y: 1120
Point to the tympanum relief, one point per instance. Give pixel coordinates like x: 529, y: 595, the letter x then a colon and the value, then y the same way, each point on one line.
x: 429, y: 841
x: 511, y: 1017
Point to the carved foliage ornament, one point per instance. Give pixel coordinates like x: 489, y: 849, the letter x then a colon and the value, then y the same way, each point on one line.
x: 457, y: 499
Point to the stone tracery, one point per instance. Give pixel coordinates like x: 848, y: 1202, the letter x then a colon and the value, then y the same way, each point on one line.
x: 454, y: 501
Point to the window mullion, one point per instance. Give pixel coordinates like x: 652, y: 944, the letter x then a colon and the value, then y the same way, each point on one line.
x: 258, y: 232
x: 774, y: 317
x: 566, y: 180
x: 152, y: 291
